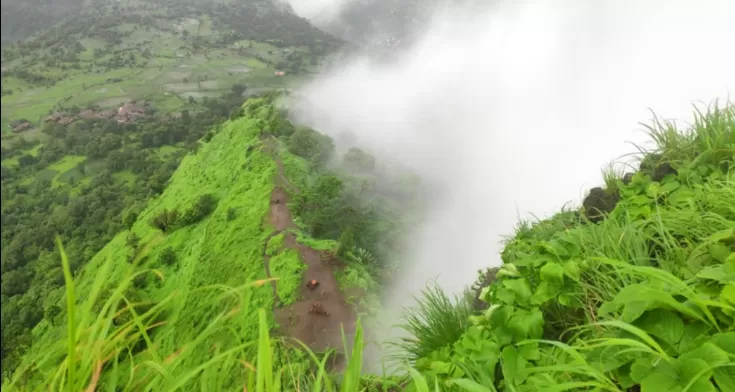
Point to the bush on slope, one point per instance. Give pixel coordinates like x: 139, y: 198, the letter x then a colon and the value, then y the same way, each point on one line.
x: 643, y: 299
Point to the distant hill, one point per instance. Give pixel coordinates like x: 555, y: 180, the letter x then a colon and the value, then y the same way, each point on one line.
x: 171, y: 53
x: 23, y: 18
x: 381, y: 23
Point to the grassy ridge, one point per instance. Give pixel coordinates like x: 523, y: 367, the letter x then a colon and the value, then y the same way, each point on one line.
x: 224, y: 249
x: 643, y: 300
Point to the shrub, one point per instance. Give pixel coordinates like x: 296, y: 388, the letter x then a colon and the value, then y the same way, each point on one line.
x: 168, y: 256
x: 436, y: 323
x: 165, y: 221
x: 201, y: 208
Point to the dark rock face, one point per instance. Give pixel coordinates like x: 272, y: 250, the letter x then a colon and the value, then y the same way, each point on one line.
x: 628, y: 178
x: 487, y: 279
x: 655, y: 166
x: 599, y: 203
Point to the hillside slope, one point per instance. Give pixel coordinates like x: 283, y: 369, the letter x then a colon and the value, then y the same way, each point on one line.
x: 193, y: 254
x: 171, y: 53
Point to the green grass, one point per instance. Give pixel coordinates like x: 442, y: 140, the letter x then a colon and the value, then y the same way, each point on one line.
x: 644, y: 299
x: 66, y: 169
x: 33, y: 151
x: 125, y: 176
x: 288, y: 268
x: 161, y: 74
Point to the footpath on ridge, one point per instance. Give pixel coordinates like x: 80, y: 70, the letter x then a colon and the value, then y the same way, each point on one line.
x: 318, y: 317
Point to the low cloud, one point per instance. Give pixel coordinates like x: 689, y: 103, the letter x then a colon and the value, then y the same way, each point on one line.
x: 318, y: 11
x: 515, y: 108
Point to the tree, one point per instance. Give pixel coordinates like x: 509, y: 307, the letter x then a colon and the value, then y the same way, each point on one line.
x: 237, y: 89
x: 358, y: 159
x: 311, y: 145
x: 129, y: 218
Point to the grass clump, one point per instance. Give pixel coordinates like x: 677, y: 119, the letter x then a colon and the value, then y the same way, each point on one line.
x: 288, y: 268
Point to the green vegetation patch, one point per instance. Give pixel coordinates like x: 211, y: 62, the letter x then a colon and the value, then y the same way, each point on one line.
x: 627, y: 303
x: 275, y: 244
x: 288, y: 268
x: 218, y: 251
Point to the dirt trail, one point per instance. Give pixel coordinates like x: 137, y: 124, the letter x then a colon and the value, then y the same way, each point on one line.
x: 317, y: 331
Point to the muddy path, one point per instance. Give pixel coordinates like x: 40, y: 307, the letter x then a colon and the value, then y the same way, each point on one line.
x: 318, y: 317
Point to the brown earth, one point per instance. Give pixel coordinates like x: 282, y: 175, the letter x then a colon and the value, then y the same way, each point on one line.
x: 318, y: 332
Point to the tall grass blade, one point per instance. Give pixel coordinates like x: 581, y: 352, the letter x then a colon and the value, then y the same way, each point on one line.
x: 265, y: 359
x: 70, y: 319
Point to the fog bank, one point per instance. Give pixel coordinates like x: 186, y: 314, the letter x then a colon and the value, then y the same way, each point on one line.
x: 515, y: 108
x: 318, y: 11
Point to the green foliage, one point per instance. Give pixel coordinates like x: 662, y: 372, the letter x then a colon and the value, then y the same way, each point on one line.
x: 202, y: 207
x: 311, y: 145
x: 639, y: 300
x: 165, y: 221
x: 289, y: 270
x: 231, y: 214
x: 129, y: 219
x: 357, y: 159
x: 642, y: 300
x: 167, y: 256
x: 435, y: 324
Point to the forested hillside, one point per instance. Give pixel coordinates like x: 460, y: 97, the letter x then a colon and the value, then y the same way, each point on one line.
x: 254, y: 202
x: 99, y: 109
x: 166, y: 226
x: 631, y: 292
x: 23, y: 18
x: 172, y: 54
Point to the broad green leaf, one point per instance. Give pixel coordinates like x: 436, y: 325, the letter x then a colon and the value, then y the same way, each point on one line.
x: 440, y: 367
x: 695, y: 374
x: 530, y: 352
x: 728, y: 294
x: 635, y: 309
x: 607, y: 308
x: 545, y: 292
x: 527, y: 324
x: 571, y: 269
x: 636, y: 292
x: 552, y: 273
x: 709, y: 353
x: 512, y: 366
x: 504, y: 295
x: 555, y: 248
x: 725, y: 341
x: 662, y: 378
x: 725, y: 378
x: 508, y: 270
x: 669, y: 186
x: 693, y: 336
x: 717, y: 273
x: 520, y: 289
x: 567, y: 300
x: 608, y: 359
x: 720, y: 252
x: 663, y: 324
x: 640, y: 369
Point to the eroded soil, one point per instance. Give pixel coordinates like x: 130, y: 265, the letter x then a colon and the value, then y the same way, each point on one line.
x: 319, y: 332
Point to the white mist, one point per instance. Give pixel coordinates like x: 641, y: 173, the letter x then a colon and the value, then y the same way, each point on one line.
x: 514, y: 108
